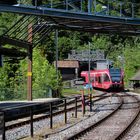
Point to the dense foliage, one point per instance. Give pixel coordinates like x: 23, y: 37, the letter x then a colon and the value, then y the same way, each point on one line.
x: 123, y: 50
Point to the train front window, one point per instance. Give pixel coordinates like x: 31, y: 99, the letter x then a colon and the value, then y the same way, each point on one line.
x: 115, y: 75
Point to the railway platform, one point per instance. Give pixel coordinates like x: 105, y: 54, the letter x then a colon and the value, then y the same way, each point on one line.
x: 10, y: 104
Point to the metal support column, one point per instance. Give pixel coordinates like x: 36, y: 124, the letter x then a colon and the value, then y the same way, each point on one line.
x: 29, y: 73
x: 94, y: 7
x: 89, y: 6
x: 133, y: 12
x: 108, y: 7
x: 120, y: 9
x: 67, y: 5
x: 81, y: 9
x: 56, y: 64
x: 51, y: 3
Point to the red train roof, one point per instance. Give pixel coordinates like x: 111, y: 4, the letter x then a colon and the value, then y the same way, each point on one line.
x: 84, y: 73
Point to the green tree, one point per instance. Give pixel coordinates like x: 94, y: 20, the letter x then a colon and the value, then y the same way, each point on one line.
x: 44, y: 76
x: 6, y: 82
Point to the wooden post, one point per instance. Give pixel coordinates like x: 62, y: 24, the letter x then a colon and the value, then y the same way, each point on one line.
x: 51, y: 120
x: 31, y: 122
x: 65, y: 109
x: 4, y: 128
x: 83, y: 103
x: 75, y: 107
x: 29, y: 73
x: 90, y: 98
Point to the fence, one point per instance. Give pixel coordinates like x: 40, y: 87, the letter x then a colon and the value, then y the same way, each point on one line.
x: 50, y: 109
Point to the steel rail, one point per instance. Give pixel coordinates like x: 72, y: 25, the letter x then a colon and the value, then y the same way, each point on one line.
x: 19, y: 124
x: 78, y: 134
x: 134, y: 120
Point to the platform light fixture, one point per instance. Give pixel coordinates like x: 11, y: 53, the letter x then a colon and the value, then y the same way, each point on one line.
x: 104, y: 7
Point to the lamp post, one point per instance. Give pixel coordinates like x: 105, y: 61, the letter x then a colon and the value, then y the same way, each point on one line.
x: 89, y: 82
x: 121, y: 60
x: 89, y: 67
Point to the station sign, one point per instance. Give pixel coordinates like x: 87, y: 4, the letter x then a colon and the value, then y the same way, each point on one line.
x: 87, y: 86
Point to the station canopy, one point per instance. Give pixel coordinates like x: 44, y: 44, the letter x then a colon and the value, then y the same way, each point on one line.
x: 96, y: 16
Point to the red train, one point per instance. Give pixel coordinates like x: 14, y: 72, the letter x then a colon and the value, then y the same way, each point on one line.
x: 108, y: 79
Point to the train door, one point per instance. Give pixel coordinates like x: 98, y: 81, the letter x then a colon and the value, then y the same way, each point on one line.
x: 93, y: 80
x: 96, y: 80
x: 100, y: 81
x: 106, y: 81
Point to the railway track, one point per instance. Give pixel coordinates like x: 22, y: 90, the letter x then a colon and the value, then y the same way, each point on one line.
x: 114, y: 125
x: 60, y: 110
x: 101, y: 109
x: 17, y: 126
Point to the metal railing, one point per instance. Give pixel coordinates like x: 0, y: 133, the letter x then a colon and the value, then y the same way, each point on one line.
x: 95, y: 7
x: 49, y: 109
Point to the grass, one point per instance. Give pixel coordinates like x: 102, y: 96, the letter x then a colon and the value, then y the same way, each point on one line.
x: 72, y: 91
